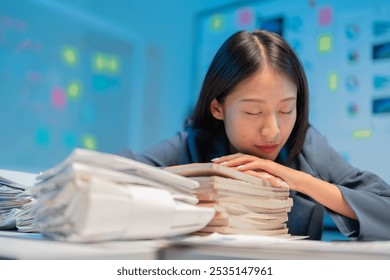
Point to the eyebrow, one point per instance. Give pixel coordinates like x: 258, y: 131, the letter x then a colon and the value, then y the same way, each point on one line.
x: 263, y: 101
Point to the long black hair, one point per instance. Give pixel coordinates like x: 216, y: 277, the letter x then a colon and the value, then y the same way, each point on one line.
x: 240, y: 56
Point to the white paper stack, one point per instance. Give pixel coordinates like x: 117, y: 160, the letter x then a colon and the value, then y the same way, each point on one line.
x: 13, y: 196
x: 93, y: 196
x: 244, y: 204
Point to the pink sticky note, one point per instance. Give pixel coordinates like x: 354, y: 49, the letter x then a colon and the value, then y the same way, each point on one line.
x: 245, y: 17
x: 58, y: 97
x: 325, y: 15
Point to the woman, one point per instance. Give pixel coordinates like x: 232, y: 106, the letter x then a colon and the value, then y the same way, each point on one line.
x: 252, y: 114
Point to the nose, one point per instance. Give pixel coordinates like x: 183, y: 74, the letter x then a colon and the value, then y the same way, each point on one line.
x: 270, y: 128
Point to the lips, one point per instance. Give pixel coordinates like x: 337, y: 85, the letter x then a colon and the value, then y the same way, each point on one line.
x: 267, y: 149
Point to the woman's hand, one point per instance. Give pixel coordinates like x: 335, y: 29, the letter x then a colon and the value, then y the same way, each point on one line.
x: 279, y: 175
x: 325, y: 193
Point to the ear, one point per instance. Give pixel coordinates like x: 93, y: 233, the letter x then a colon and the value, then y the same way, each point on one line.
x: 216, y: 109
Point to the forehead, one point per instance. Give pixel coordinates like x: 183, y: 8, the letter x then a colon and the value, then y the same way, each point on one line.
x: 265, y: 84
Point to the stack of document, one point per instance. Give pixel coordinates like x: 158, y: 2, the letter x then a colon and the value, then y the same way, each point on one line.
x: 13, y: 197
x: 94, y: 196
x: 244, y: 204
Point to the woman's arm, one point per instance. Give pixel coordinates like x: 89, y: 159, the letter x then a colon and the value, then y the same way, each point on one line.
x: 323, y: 192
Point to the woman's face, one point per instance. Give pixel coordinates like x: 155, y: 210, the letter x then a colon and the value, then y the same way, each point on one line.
x: 259, y: 114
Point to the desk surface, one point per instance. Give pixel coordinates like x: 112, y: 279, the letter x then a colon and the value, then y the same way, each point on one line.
x: 270, y: 253
x: 22, y: 246
x: 218, y: 246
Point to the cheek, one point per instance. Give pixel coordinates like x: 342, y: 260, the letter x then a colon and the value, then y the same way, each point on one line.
x: 231, y: 125
x: 238, y: 129
x: 288, y: 126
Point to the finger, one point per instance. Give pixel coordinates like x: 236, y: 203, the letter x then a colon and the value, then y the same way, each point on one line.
x: 236, y: 160
x: 256, y: 165
x: 274, y: 181
x: 262, y: 175
x: 226, y: 158
x: 277, y: 182
x: 260, y: 165
x: 280, y: 183
x: 265, y: 165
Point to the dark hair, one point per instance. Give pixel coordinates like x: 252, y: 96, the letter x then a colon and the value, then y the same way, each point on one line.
x: 239, y: 57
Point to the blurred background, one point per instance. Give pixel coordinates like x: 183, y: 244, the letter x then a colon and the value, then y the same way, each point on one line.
x: 111, y: 75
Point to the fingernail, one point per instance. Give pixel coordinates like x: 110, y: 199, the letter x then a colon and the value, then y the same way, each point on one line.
x: 240, y: 166
x: 280, y: 182
x: 223, y: 163
x: 215, y: 159
x: 267, y: 176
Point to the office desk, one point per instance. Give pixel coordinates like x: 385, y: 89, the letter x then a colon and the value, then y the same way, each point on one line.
x: 22, y: 246
x: 258, y: 247
x: 14, y: 245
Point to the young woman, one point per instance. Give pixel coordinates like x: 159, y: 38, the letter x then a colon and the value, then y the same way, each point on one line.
x: 252, y: 114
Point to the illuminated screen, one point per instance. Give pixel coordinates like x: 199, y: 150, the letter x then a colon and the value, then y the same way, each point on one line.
x: 345, y: 49
x: 64, y: 82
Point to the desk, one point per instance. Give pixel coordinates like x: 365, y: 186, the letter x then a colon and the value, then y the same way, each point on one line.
x: 263, y: 247
x: 22, y: 246
x: 337, y: 251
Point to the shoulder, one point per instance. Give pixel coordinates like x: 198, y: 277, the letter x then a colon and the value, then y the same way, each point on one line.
x: 314, y: 138
x: 204, y: 146
x: 175, y: 141
x: 170, y: 151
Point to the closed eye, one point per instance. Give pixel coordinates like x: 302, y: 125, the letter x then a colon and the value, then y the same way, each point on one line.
x: 253, y: 113
x: 286, y: 112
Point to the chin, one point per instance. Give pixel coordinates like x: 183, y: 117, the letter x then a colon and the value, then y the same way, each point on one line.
x: 270, y: 157
x: 265, y: 156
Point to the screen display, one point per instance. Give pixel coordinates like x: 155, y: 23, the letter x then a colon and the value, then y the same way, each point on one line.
x: 65, y: 82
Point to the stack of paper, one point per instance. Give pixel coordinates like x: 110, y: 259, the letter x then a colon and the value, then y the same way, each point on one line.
x: 93, y: 196
x: 244, y: 204
x: 13, y: 196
